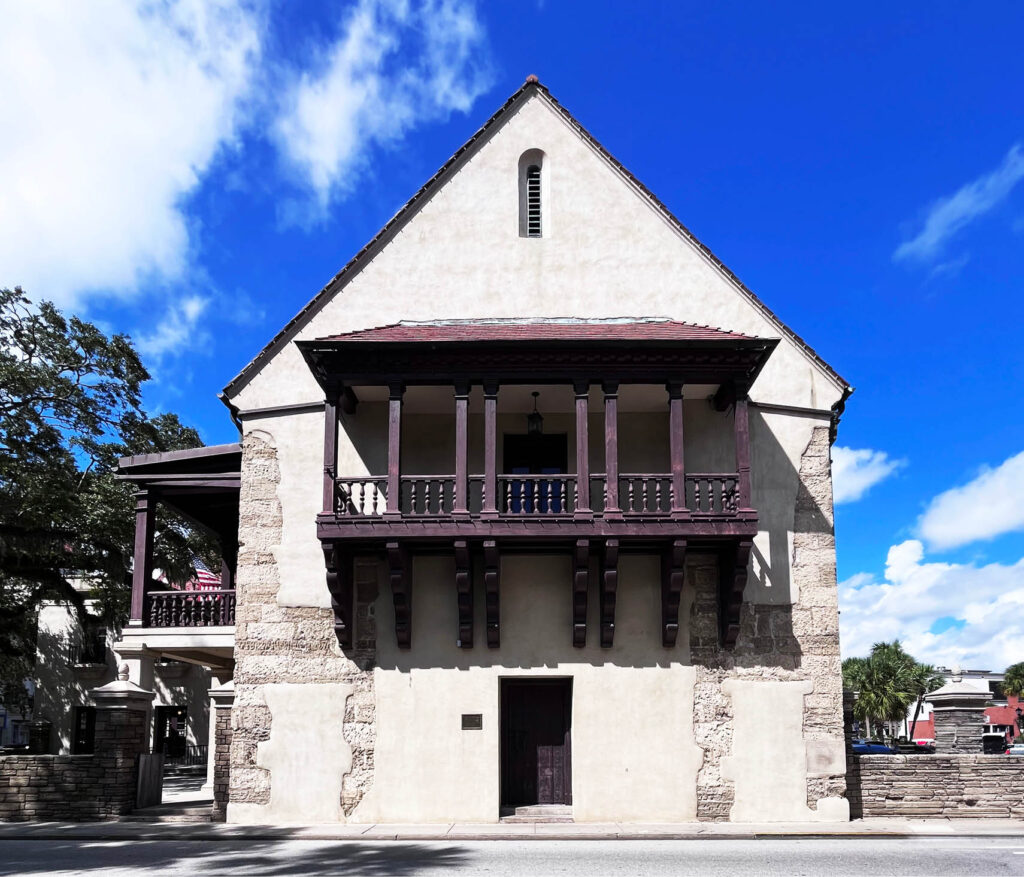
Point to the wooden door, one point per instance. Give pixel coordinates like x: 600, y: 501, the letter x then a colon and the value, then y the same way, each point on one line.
x: 536, y: 759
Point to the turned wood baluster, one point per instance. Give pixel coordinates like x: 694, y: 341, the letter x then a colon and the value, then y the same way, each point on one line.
x: 563, y: 495
x: 632, y: 506
x: 657, y: 494
x: 696, y: 494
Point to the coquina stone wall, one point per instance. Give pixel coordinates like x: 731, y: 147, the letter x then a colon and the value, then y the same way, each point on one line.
x: 786, y: 643
x: 221, y: 764
x: 77, y: 787
x: 951, y: 786
x: 277, y: 644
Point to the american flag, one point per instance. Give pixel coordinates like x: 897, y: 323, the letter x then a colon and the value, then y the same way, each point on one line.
x: 203, y: 580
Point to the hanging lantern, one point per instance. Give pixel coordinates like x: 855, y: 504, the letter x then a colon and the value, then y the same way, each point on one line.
x: 534, y: 421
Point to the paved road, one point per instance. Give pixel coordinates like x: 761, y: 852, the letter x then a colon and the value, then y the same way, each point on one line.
x: 706, y: 857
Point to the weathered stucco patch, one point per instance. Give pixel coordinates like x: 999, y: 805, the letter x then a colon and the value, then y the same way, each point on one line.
x: 302, y: 755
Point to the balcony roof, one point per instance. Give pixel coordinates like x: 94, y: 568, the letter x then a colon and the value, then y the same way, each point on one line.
x: 563, y: 330
x: 551, y: 351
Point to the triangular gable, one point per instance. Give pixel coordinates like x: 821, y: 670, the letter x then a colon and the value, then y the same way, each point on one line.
x: 530, y: 88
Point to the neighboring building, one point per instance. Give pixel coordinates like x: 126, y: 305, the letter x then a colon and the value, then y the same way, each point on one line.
x: 1000, y: 717
x: 514, y: 525
x: 72, y: 659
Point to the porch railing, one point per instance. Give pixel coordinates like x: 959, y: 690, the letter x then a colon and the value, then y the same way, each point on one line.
x: 549, y: 494
x: 214, y: 608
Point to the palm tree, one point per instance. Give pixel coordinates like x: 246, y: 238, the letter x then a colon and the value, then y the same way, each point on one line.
x: 1013, y: 683
x: 887, y: 682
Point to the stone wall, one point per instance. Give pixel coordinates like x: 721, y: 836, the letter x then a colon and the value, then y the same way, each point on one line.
x: 950, y: 786
x: 280, y: 645
x: 221, y: 756
x: 784, y: 643
x: 77, y: 787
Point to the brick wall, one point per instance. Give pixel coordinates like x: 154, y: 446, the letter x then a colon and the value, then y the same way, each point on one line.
x: 221, y: 764
x: 77, y: 787
x: 952, y: 786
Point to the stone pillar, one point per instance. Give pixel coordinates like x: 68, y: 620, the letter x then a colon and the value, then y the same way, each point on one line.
x: 220, y: 681
x: 140, y: 662
x: 222, y: 699
x: 122, y: 709
x: 959, y: 714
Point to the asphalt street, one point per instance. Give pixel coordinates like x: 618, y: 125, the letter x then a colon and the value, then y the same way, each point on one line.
x: 707, y: 857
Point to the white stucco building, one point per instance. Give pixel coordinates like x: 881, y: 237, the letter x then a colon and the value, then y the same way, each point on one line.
x: 444, y: 607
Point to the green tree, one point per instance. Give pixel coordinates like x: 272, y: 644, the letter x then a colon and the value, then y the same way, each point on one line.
x: 1013, y: 684
x: 69, y: 407
x: 887, y: 682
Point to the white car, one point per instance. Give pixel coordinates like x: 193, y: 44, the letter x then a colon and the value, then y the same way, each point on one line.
x: 1016, y: 749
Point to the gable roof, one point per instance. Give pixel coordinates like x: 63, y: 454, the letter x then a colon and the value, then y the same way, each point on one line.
x: 449, y: 331
x: 529, y: 88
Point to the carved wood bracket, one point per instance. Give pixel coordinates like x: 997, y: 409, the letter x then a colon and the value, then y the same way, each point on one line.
x: 733, y: 581
x: 580, y: 587
x: 464, y: 593
x: 492, y: 597
x: 672, y: 577
x: 609, y: 586
x: 339, y: 584
x: 401, y: 591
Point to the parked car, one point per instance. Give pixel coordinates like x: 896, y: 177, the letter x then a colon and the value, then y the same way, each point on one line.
x: 1015, y: 749
x: 871, y: 747
x: 915, y: 748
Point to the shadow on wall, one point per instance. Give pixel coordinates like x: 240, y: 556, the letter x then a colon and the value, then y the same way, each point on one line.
x: 253, y: 857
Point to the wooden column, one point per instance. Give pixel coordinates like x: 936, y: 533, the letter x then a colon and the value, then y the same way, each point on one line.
x: 142, y: 567
x: 741, y: 421
x: 611, y: 449
x: 330, y: 450
x: 394, y: 506
x: 490, y: 506
x: 461, y: 505
x: 675, y: 434
x: 582, y: 509
x: 400, y: 570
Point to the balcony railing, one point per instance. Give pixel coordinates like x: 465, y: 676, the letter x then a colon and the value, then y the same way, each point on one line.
x: 213, y: 608
x: 532, y: 495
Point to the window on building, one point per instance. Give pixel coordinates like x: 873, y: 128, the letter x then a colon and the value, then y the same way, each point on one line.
x: 533, y: 195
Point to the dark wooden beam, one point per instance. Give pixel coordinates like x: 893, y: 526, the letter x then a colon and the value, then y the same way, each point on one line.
x: 580, y: 590
x: 492, y: 593
x: 725, y: 396
x: 401, y: 592
x: 675, y: 436
x: 348, y: 401
x: 394, y: 499
x: 742, y: 427
x: 609, y: 586
x: 461, y: 505
x: 330, y: 452
x: 733, y: 580
x: 582, y: 390
x: 611, y: 449
x: 673, y: 560
x: 339, y: 584
x: 142, y: 567
x: 464, y: 593
x: 490, y: 503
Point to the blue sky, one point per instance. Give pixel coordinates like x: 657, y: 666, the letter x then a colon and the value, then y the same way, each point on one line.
x: 192, y: 173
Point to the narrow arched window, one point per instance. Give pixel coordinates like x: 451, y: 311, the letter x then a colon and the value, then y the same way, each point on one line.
x: 533, y: 214
x: 534, y: 196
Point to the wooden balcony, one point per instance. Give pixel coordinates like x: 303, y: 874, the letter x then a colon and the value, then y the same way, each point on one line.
x: 206, y: 608
x: 548, y: 506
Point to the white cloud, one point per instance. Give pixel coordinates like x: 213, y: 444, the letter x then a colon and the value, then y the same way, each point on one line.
x: 397, y: 64
x: 984, y: 508
x: 915, y: 593
x: 948, y: 215
x: 857, y: 470
x: 176, y: 331
x: 113, y: 110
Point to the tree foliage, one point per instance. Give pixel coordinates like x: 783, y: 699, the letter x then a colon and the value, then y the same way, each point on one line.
x: 1013, y: 681
x: 887, y: 682
x: 70, y: 406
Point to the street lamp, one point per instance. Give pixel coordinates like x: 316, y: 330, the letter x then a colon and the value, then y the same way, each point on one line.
x: 534, y: 421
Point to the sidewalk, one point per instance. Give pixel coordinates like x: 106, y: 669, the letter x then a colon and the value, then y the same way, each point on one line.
x: 879, y: 828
